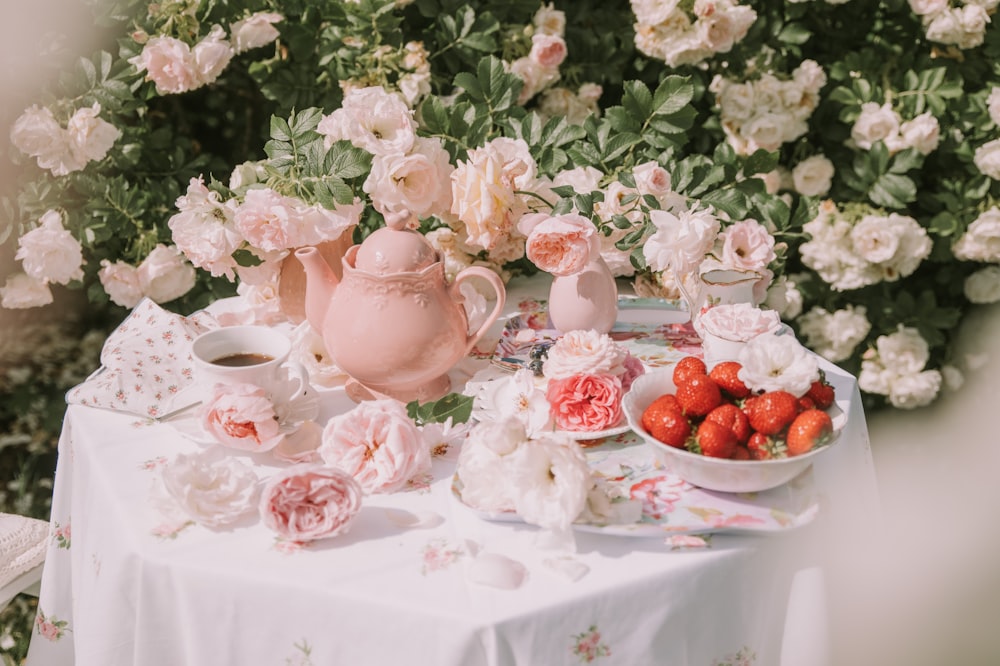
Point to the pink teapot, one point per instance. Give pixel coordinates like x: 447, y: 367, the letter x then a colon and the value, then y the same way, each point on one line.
x: 392, y: 322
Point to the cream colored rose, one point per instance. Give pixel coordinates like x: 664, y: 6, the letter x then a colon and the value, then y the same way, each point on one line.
x: 981, y: 241
x: 49, y: 252
x: 681, y: 241
x: 90, y: 137
x: 584, y: 352
x: 164, y: 275
x: 993, y: 105
x: 211, y: 55
x: 916, y: 390
x: 254, y: 31
x: 21, y: 291
x: 928, y: 7
x: 549, y: 21
x: 987, y: 159
x: 484, y: 189
x: 983, y: 286
x: 876, y: 123
x: 211, y: 487
x: 417, y: 183
x: 121, y: 282
x: 835, y: 335
x: 777, y: 363
x: 905, y: 350
x: 922, y: 133
x: 813, y: 176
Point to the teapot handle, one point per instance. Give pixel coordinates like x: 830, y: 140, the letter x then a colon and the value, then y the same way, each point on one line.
x: 501, y: 292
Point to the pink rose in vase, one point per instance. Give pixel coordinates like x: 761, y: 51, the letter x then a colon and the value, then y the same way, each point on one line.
x: 378, y: 444
x: 585, y: 403
x: 241, y: 416
x: 560, y: 245
x: 308, y: 502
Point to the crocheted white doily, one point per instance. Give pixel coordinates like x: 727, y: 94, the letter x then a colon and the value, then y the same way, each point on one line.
x: 23, y: 542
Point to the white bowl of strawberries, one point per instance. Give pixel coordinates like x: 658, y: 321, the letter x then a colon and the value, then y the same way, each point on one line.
x: 706, y: 427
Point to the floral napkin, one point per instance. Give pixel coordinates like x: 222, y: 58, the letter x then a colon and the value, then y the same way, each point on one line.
x: 145, y: 364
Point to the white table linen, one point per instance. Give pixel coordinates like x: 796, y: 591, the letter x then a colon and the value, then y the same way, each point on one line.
x: 121, y: 587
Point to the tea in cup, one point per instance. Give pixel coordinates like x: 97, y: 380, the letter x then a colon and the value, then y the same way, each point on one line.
x: 248, y: 354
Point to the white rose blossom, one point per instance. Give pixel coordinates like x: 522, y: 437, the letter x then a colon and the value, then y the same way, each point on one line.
x: 835, y: 335
x: 983, y: 286
x: 517, y: 396
x: 213, y: 488
x: 987, y: 159
x: 483, y: 460
x: 875, y: 123
x: 993, y: 105
x: 372, y: 119
x: 981, y: 240
x: 164, y: 275
x: 813, y: 176
x: 776, y: 362
x: 681, y: 241
x: 916, y: 390
x: 784, y: 297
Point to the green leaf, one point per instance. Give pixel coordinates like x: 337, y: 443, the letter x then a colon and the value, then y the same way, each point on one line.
x: 434, y: 115
x: 672, y: 95
x: 760, y: 161
x: 346, y: 161
x: 729, y: 200
x: 455, y: 406
x: 892, y: 191
x: 637, y: 100
x: 794, y: 33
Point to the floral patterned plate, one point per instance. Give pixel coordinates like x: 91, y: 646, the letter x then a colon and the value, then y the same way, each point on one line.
x: 670, y: 505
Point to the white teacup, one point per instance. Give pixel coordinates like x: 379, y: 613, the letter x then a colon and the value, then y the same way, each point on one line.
x: 248, y: 354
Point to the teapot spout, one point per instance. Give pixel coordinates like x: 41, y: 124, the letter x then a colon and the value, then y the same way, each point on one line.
x: 321, y: 283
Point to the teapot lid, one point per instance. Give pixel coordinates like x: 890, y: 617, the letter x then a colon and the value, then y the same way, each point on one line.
x: 394, y: 249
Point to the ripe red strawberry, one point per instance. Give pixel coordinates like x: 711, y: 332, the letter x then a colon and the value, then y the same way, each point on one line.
x: 670, y: 427
x: 805, y: 402
x: 686, y: 367
x: 762, y: 447
x: 810, y: 429
x: 667, y: 401
x: 725, y: 375
x: 714, y: 440
x: 821, y: 393
x: 699, y: 395
x: 732, y: 417
x: 741, y: 453
x: 771, y: 412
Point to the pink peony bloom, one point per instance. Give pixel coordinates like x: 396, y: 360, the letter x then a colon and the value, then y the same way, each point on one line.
x: 241, y: 416
x: 378, y: 444
x: 308, y: 502
x: 585, y: 403
x: 559, y: 245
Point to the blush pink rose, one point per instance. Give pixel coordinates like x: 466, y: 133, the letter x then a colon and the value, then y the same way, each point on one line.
x: 241, y: 416
x: 747, y: 245
x: 169, y: 64
x: 585, y: 403
x: 307, y: 502
x: 547, y: 51
x: 633, y: 370
x: 267, y: 220
x: 559, y: 245
x: 378, y: 444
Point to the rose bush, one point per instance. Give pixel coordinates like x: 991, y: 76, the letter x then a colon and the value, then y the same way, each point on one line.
x: 239, y: 131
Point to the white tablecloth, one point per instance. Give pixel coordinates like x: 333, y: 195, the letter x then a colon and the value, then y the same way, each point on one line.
x: 120, y: 587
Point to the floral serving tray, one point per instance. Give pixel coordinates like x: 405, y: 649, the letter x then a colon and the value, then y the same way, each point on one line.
x: 653, y: 330
x: 670, y: 505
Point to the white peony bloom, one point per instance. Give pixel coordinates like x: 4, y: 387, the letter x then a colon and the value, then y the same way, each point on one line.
x: 550, y: 480
x: 983, y: 286
x: 49, y: 252
x: 482, y: 464
x: 21, y: 291
x: 775, y: 362
x: 681, y: 241
x: 255, y: 31
x: 213, y: 488
x: 164, y: 274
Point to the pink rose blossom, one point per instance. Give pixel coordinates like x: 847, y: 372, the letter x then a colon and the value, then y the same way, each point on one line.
x: 49, y: 252
x: 121, y: 282
x: 747, y: 245
x: 211, y: 55
x: 266, y: 220
x: 633, y: 370
x: 547, y: 51
x: 169, y: 64
x: 586, y: 402
x: 584, y: 352
x: 255, y: 30
x: 560, y: 245
x: 308, y: 502
x: 165, y: 274
x: 378, y: 444
x: 22, y: 291
x: 241, y: 416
